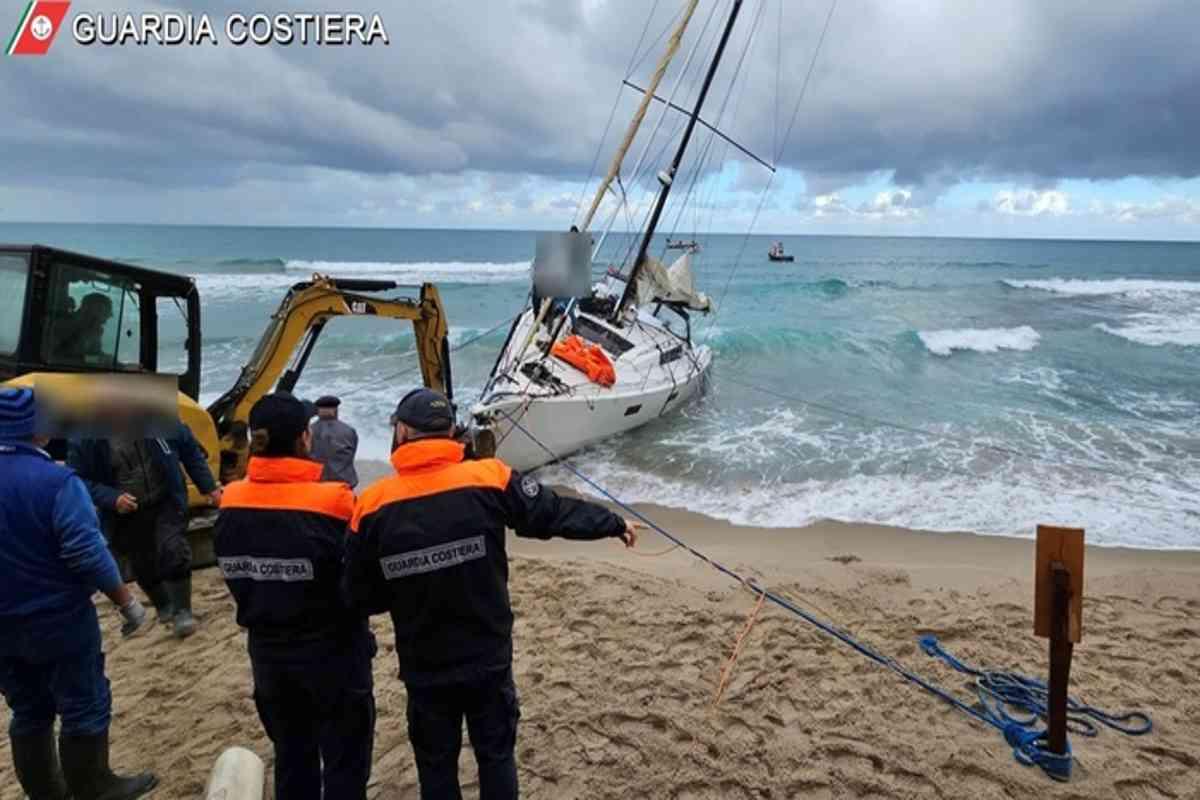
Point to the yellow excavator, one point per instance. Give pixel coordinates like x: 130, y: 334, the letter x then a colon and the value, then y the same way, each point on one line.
x: 129, y: 318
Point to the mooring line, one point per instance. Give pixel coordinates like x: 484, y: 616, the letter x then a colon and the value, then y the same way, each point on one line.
x: 1029, y: 745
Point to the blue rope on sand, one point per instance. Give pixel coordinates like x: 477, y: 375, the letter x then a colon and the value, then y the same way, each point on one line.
x: 1002, y: 693
x: 1029, y: 745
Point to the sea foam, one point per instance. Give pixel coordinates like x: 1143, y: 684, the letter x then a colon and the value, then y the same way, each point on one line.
x: 1092, y: 288
x: 980, y: 340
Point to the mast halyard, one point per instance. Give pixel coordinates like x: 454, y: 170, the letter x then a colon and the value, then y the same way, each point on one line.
x: 631, y: 286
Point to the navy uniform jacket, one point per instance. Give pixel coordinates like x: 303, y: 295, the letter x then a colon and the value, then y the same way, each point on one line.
x: 280, y: 539
x: 428, y: 545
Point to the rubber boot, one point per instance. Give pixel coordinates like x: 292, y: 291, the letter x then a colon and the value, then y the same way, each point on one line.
x: 162, y: 604
x: 180, y: 592
x: 85, y: 764
x: 35, y: 760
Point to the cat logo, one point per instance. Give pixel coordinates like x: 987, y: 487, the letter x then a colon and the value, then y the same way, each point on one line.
x: 358, y: 307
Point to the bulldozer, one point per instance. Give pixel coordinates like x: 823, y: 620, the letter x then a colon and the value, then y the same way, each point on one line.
x: 67, y: 314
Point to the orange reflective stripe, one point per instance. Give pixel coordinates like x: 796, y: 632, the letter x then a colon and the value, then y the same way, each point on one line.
x: 331, y: 499
x: 488, y: 473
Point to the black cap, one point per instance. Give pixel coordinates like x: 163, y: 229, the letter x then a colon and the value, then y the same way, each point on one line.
x: 425, y: 410
x: 283, y: 417
x: 328, y: 401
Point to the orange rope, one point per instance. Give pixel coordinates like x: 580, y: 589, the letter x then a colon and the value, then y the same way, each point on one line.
x: 727, y: 673
x: 655, y: 555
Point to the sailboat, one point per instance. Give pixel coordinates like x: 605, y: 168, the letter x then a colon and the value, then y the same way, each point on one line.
x: 572, y: 373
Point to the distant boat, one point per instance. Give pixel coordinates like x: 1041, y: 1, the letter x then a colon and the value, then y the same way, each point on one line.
x: 776, y: 253
x: 681, y: 244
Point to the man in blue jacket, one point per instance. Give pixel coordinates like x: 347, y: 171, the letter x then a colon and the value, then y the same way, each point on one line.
x: 137, y: 485
x: 52, y: 558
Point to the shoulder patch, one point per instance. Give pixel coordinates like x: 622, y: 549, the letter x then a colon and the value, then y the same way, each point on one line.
x: 529, y: 486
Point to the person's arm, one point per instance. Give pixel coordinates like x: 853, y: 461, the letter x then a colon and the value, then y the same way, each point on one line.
x: 192, y: 456
x: 81, y: 457
x: 83, y: 550
x: 537, y: 512
x: 363, y: 586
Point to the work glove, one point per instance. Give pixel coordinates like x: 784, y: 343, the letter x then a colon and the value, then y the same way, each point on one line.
x: 134, y: 614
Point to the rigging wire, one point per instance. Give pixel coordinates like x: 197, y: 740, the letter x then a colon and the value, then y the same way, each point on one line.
x: 636, y: 61
x: 414, y: 367
x: 766, y: 189
x: 701, y: 164
x: 611, y: 115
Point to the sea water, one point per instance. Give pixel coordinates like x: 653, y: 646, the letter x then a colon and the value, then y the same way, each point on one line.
x: 945, y: 384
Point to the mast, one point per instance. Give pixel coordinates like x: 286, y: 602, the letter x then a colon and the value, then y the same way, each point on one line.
x: 635, y: 123
x: 668, y: 178
x: 615, y: 167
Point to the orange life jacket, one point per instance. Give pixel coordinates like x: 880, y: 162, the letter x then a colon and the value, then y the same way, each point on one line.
x: 587, y: 358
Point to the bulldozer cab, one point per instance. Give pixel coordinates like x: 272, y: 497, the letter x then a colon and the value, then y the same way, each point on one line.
x: 66, y: 312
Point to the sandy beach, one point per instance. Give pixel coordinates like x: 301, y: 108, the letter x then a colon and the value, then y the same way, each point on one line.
x: 618, y: 655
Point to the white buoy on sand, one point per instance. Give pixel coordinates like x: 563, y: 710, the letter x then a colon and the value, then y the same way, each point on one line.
x: 237, y: 775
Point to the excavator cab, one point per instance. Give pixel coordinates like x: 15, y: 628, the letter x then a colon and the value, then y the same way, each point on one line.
x: 64, y: 312
x: 67, y: 312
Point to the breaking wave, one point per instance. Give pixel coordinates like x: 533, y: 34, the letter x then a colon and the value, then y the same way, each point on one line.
x: 1093, y: 288
x: 259, y: 276
x: 1156, y: 330
x: 980, y: 340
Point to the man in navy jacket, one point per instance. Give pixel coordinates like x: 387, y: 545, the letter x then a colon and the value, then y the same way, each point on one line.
x: 138, y: 487
x: 52, y: 558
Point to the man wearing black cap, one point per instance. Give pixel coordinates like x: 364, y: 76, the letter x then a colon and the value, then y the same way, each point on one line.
x: 334, y: 443
x: 279, y: 542
x: 428, y: 545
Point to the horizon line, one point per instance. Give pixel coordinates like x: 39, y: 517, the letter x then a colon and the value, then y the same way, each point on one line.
x: 625, y: 232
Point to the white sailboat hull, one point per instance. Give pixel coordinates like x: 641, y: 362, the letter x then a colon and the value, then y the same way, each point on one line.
x: 533, y: 426
x: 565, y: 425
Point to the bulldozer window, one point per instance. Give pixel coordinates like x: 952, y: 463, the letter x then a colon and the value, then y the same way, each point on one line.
x: 14, y: 275
x: 93, y: 320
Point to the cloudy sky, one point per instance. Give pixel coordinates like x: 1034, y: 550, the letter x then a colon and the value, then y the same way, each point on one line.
x: 922, y: 117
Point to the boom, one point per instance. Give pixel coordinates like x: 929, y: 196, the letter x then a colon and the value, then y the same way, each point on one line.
x: 293, y: 332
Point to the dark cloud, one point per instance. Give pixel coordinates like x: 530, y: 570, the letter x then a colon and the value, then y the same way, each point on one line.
x: 933, y: 93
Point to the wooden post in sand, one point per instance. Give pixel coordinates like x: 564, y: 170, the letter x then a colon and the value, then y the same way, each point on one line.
x: 1058, y: 616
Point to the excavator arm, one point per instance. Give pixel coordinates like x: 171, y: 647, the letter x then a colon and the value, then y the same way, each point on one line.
x: 289, y: 339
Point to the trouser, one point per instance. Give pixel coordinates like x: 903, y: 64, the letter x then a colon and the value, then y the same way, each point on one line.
x: 320, y: 716
x: 54, y: 665
x: 435, y: 721
x: 155, y: 539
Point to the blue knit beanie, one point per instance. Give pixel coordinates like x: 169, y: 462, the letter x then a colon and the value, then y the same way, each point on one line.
x: 16, y: 415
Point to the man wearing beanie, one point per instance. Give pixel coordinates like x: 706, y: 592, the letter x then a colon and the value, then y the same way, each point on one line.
x: 52, y: 558
x: 280, y: 540
x: 428, y: 545
x: 138, y: 487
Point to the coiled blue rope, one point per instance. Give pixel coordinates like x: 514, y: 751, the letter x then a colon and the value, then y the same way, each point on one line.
x: 1017, y: 703
x: 1029, y: 745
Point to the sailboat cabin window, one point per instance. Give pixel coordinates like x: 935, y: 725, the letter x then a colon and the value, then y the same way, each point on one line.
x: 596, y: 333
